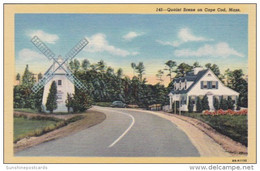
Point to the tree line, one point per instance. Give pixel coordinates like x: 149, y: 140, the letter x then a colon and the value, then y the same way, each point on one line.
x: 105, y: 84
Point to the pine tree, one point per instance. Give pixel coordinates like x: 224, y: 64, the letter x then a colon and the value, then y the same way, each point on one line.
x: 199, y: 105
x: 205, y: 103
x: 216, y: 103
x: 51, y: 103
x: 69, y: 101
x: 190, y: 105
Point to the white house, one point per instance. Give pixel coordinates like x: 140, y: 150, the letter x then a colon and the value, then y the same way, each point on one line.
x: 198, y: 83
x: 64, y: 86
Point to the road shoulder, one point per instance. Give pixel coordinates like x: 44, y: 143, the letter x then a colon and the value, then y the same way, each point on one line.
x: 90, y: 119
x: 204, y: 141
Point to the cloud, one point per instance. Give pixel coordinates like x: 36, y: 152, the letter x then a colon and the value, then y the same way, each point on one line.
x: 184, y: 35
x: 98, y: 43
x: 45, y: 37
x: 131, y: 35
x: 221, y: 49
x: 28, y: 55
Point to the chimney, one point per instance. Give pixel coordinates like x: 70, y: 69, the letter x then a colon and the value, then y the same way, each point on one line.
x: 197, y: 70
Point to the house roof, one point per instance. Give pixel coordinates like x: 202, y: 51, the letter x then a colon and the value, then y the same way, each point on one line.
x: 189, y: 77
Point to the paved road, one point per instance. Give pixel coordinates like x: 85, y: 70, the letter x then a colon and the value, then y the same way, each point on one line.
x: 124, y: 133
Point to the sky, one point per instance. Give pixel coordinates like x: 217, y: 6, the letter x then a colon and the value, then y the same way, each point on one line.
x: 120, y: 39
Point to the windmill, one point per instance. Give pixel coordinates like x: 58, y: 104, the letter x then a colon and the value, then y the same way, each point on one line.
x: 58, y: 72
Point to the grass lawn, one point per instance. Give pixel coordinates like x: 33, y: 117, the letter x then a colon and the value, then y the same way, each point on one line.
x: 28, y: 110
x: 103, y: 104
x: 234, y: 126
x: 23, y: 127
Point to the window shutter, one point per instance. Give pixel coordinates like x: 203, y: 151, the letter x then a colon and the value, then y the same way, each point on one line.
x: 216, y: 84
x: 209, y: 84
x: 201, y: 85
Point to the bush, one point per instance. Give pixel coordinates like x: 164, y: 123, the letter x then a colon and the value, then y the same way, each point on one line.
x: 190, y: 105
x: 216, y: 103
x: 199, y: 107
x: 205, y: 103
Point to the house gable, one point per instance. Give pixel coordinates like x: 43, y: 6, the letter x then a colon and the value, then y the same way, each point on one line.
x: 210, y: 76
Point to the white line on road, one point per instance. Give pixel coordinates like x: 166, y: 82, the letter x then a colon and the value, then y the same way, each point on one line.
x: 121, y: 136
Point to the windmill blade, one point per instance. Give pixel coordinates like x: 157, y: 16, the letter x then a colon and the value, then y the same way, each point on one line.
x: 45, y: 79
x: 76, y: 49
x: 42, y: 47
x: 71, y: 54
x: 76, y: 82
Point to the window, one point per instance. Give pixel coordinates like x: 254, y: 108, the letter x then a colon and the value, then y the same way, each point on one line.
x: 205, y: 84
x: 214, y: 85
x: 59, y: 82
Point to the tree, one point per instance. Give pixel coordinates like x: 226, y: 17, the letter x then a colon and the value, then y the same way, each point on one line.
x: 199, y: 107
x: 133, y: 65
x: 140, y: 70
x: 236, y: 82
x: 85, y: 64
x: 74, y: 65
x: 205, y: 103
x: 119, y: 73
x: 195, y: 65
x: 69, y: 102
x: 101, y: 66
x: 170, y: 68
x: 51, y: 103
x: 81, y: 101
x: 39, y: 76
x: 182, y: 69
x: 230, y: 103
x: 28, y: 78
x: 214, y: 68
x: 18, y: 77
x: 190, y: 105
x: 159, y: 76
x: 223, y: 104
x: 216, y: 103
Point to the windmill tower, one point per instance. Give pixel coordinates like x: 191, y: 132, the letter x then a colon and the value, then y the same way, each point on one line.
x: 60, y: 73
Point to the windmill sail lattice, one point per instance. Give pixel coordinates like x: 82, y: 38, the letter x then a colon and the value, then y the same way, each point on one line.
x: 50, y: 55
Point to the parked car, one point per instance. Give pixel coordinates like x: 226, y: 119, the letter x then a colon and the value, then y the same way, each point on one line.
x: 118, y: 104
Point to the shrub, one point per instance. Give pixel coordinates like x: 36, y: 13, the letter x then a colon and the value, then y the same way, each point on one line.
x: 51, y: 103
x: 216, y: 103
x: 230, y: 103
x: 199, y: 108
x: 205, y: 103
x: 190, y: 105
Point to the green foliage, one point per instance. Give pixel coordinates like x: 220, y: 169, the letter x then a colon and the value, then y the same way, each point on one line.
x: 216, y: 103
x: 190, y: 105
x: 28, y: 79
x: 235, y: 127
x: 223, y: 104
x: 51, y: 103
x: 170, y: 68
x: 23, y: 95
x: 69, y: 102
x: 199, y: 107
x: 205, y: 103
x: 85, y: 64
x: 214, y: 68
x: 236, y: 82
x: 182, y: 69
x: 230, y: 103
x: 79, y: 102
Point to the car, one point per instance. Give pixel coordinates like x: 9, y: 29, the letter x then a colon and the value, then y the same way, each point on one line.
x: 118, y: 104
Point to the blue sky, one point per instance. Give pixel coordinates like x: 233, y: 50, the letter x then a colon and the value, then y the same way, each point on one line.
x: 120, y: 39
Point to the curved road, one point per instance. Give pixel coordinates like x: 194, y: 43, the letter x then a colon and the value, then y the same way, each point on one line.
x: 124, y: 133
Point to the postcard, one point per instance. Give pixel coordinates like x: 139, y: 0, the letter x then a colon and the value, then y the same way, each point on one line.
x: 130, y: 83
